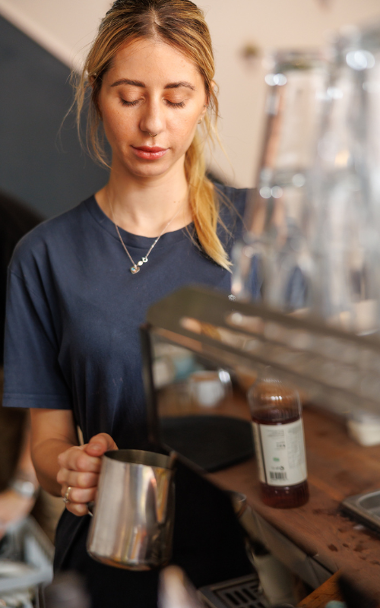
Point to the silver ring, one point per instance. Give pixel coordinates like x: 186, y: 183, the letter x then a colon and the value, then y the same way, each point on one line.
x: 66, y: 498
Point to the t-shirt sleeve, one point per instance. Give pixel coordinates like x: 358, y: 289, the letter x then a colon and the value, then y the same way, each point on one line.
x: 32, y: 375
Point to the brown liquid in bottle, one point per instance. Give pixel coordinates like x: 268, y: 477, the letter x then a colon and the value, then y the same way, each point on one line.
x: 273, y: 404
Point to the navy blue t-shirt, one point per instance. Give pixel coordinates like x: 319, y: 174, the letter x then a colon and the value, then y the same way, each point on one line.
x: 72, y: 342
x: 74, y: 309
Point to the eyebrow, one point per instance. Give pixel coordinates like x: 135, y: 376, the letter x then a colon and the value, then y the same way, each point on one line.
x: 138, y: 83
x: 177, y: 85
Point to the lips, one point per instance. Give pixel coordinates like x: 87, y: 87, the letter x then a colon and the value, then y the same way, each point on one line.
x: 149, y: 152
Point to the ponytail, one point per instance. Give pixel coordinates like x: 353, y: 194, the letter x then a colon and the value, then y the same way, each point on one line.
x: 204, y: 205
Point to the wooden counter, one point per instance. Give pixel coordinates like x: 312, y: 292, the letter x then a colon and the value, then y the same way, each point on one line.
x: 337, y: 468
x: 325, y: 593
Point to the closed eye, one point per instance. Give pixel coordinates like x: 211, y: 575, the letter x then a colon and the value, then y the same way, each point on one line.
x: 173, y: 104
x: 179, y: 104
x: 128, y: 103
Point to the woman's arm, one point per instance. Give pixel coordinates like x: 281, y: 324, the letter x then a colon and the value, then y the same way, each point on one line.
x: 60, y: 462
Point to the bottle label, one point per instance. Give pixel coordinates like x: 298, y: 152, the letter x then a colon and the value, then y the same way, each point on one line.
x: 280, y: 453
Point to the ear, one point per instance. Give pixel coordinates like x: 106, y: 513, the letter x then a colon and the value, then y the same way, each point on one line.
x: 212, y: 86
x: 203, y: 112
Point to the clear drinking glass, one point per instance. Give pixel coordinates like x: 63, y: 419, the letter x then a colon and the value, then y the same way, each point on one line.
x: 347, y: 187
x: 276, y: 247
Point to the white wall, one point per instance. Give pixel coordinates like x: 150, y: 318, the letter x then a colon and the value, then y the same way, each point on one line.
x: 66, y: 27
x: 63, y: 27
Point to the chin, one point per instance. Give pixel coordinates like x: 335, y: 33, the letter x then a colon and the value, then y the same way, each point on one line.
x: 149, y: 171
x: 150, y: 168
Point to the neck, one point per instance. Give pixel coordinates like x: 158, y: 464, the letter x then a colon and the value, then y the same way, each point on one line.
x: 144, y: 207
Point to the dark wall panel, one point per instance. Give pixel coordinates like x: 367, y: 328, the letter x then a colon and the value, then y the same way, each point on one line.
x: 41, y: 163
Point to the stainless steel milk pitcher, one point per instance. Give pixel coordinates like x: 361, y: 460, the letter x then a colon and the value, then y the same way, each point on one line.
x: 134, y: 512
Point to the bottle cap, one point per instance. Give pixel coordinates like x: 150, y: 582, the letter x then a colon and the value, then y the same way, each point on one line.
x: 270, y: 394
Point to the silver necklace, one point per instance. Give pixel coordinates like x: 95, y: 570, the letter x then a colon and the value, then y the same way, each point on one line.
x: 136, y: 266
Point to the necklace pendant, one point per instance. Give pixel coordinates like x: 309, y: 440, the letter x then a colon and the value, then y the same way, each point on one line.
x: 144, y: 260
x: 134, y: 269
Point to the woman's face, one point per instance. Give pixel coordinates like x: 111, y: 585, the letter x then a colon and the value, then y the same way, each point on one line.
x: 151, y: 89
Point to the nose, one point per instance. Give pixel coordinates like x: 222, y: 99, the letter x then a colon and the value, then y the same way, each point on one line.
x: 152, y: 119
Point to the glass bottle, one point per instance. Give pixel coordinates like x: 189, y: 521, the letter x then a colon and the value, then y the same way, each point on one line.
x: 279, y: 443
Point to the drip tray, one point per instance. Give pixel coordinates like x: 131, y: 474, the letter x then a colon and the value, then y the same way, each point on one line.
x: 237, y: 593
x: 365, y: 508
x: 212, y: 443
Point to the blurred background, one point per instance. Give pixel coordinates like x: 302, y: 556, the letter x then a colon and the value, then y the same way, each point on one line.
x: 42, y: 40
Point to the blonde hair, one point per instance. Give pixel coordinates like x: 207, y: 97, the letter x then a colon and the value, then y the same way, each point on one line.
x: 181, y: 24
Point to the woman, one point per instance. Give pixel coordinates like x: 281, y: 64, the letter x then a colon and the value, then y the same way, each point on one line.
x: 80, y: 284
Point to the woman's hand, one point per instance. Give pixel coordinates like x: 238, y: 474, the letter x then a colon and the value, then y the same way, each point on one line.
x: 13, y: 508
x: 79, y: 470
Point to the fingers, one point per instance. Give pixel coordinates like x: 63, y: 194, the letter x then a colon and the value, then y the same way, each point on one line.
x: 75, y: 479
x: 99, y: 444
x: 87, y: 457
x: 78, y: 510
x: 78, y: 498
x: 77, y: 459
x: 78, y: 495
x: 79, y: 472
